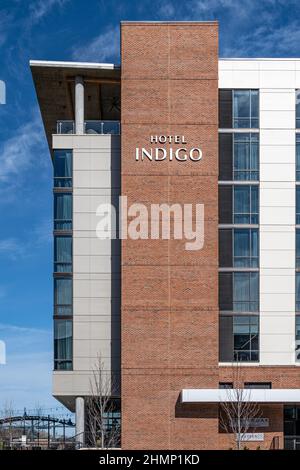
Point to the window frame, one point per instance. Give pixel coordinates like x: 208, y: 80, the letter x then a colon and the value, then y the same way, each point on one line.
x: 57, y: 306
x: 251, y: 351
x: 61, y: 363
x: 250, y: 118
x: 253, y: 217
x: 63, y: 263
x: 66, y: 181
x: 57, y: 221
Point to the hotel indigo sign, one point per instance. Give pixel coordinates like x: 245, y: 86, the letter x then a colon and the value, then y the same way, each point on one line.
x: 178, y: 149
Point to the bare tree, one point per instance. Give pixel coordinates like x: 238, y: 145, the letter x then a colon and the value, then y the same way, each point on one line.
x: 238, y: 412
x: 103, y: 430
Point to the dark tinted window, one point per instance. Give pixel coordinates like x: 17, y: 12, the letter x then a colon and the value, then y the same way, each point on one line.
x: 225, y: 157
x: 225, y: 109
x: 225, y: 204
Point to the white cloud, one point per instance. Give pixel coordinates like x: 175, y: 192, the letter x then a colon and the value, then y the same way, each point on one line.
x: 22, y: 150
x: 20, y: 248
x: 103, y: 47
x: 39, y: 9
x: 12, y: 248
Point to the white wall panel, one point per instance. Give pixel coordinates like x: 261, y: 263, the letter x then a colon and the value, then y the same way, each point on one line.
x: 277, y: 81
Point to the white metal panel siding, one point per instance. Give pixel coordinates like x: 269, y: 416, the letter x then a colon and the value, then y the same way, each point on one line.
x: 96, y: 263
x: 277, y: 81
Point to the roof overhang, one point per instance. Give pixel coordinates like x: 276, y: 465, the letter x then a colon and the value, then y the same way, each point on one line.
x: 53, y: 82
x: 215, y: 395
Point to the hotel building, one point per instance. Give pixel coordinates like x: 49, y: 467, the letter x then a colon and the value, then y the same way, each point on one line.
x: 170, y: 324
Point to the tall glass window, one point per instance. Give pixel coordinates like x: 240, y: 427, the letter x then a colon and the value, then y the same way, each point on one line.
x: 245, y: 204
x: 298, y: 156
x: 297, y: 109
x: 238, y: 109
x: 245, y: 333
x: 297, y: 248
x: 297, y: 335
x: 297, y: 291
x: 245, y: 109
x: 239, y: 291
x: 238, y: 248
x: 63, y: 254
x: 297, y: 205
x: 245, y: 249
x: 62, y: 211
x: 63, y: 344
x: 63, y: 296
x: 239, y: 338
x: 62, y: 160
x: 245, y: 291
x: 245, y: 152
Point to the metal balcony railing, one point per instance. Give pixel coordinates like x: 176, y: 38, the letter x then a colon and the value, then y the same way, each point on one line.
x: 90, y: 127
x: 102, y: 127
x: 65, y: 127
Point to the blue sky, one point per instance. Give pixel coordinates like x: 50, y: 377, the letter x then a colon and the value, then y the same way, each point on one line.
x: 86, y: 31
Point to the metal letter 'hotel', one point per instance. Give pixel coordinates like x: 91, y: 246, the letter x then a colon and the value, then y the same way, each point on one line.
x: 170, y: 325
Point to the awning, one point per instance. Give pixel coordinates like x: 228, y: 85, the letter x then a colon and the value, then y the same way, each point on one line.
x: 215, y: 395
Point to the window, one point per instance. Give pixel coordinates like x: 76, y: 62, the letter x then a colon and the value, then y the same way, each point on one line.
x: 238, y: 204
x: 245, y: 338
x: 245, y: 151
x: 63, y: 345
x: 297, y: 291
x: 297, y: 335
x: 238, y: 157
x: 62, y: 211
x: 239, y: 291
x: 298, y: 155
x: 62, y: 160
x: 225, y: 204
x: 298, y: 205
x: 62, y: 254
x: 245, y: 292
x: 245, y: 204
x: 62, y: 296
x: 225, y: 109
x: 238, y: 248
x: 297, y: 248
x: 239, y: 109
x: 226, y: 385
x: 262, y: 385
x: 297, y: 109
x: 239, y: 338
x: 245, y: 109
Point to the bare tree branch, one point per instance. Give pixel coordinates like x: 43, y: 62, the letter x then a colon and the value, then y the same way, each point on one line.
x: 99, y: 409
x: 238, y: 412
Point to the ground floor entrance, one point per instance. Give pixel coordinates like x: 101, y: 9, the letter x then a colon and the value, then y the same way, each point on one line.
x: 292, y: 427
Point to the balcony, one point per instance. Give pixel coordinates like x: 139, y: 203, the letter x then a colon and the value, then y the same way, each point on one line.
x: 90, y: 127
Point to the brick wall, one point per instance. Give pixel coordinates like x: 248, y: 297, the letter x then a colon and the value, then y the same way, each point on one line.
x: 169, y: 295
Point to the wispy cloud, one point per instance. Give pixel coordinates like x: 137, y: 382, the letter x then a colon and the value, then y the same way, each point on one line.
x: 39, y: 9
x: 25, y: 247
x: 275, y: 42
x: 5, y: 24
x: 12, y: 248
x: 22, y: 150
x: 103, y: 47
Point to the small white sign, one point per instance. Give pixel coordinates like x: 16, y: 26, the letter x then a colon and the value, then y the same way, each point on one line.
x: 252, y: 436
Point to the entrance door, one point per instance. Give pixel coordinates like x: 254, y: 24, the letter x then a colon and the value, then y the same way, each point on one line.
x: 292, y: 427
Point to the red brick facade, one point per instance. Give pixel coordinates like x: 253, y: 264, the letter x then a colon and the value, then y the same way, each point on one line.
x: 170, y: 295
